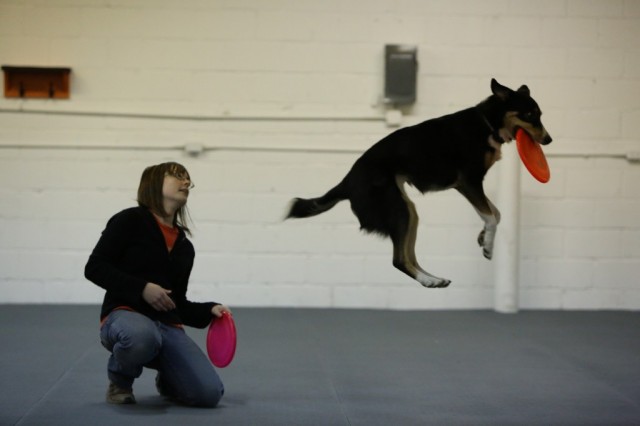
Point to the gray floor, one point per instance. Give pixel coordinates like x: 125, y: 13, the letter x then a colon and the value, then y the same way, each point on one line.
x: 345, y: 367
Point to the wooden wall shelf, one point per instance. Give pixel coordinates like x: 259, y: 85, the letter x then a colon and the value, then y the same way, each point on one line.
x: 36, y: 82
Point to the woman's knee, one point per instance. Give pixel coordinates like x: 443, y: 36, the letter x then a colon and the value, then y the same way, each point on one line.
x: 136, y: 340
x: 143, y: 345
x: 206, y: 396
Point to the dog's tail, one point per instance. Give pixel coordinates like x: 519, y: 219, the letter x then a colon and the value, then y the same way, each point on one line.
x: 302, y: 207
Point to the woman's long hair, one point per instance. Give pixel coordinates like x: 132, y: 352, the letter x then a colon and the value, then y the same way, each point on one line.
x: 150, y: 192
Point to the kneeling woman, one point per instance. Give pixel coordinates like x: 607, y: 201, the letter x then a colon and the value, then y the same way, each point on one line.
x: 143, y: 260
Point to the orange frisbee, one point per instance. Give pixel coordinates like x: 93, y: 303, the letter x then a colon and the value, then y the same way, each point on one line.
x: 532, y: 156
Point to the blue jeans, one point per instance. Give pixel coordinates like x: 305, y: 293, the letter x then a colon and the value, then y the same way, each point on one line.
x: 184, y: 371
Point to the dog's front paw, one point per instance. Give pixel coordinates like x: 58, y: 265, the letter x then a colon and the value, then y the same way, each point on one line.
x: 487, y: 253
x: 485, y: 240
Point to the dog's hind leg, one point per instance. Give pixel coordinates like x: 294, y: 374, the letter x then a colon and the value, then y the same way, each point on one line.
x: 404, y: 241
x: 487, y: 211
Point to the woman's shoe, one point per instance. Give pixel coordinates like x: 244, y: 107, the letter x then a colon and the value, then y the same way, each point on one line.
x: 117, y: 395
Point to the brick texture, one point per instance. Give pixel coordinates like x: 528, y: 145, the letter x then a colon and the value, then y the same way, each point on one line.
x: 283, y: 95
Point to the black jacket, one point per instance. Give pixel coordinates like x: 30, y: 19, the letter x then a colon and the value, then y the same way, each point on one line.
x: 132, y: 252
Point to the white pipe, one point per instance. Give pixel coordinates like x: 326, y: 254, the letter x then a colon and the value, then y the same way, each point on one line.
x: 222, y: 116
x: 507, y: 238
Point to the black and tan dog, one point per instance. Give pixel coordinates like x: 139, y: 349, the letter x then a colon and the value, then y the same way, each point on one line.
x: 453, y: 151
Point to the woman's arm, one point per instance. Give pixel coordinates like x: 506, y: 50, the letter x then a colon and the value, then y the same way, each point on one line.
x: 101, y: 267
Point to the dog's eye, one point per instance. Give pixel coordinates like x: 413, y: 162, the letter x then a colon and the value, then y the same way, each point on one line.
x: 529, y: 116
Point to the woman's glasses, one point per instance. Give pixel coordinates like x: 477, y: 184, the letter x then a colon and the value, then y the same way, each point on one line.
x: 182, y: 177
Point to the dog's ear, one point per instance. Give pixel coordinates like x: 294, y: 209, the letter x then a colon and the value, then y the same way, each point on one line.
x: 524, y: 90
x: 499, y: 90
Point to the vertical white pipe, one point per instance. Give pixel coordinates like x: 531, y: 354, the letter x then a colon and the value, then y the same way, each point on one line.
x: 507, y: 237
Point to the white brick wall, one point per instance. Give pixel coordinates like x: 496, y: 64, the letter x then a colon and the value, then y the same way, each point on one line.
x: 212, y: 65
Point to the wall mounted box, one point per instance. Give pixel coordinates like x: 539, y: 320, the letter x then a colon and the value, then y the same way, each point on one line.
x: 36, y: 82
x: 400, y: 74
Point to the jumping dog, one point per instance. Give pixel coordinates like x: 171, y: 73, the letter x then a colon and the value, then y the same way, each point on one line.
x: 452, y: 151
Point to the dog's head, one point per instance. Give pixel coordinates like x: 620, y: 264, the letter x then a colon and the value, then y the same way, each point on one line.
x: 521, y: 111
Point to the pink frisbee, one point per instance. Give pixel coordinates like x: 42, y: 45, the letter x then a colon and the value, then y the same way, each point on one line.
x: 221, y: 340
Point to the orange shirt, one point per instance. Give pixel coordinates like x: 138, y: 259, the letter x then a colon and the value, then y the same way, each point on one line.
x: 170, y: 234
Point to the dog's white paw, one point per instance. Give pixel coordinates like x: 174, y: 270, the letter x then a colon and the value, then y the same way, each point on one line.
x: 485, y: 240
x: 430, y: 281
x: 487, y: 253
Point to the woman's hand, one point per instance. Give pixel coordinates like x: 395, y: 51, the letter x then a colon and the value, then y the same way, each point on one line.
x: 219, y: 309
x: 158, y: 297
